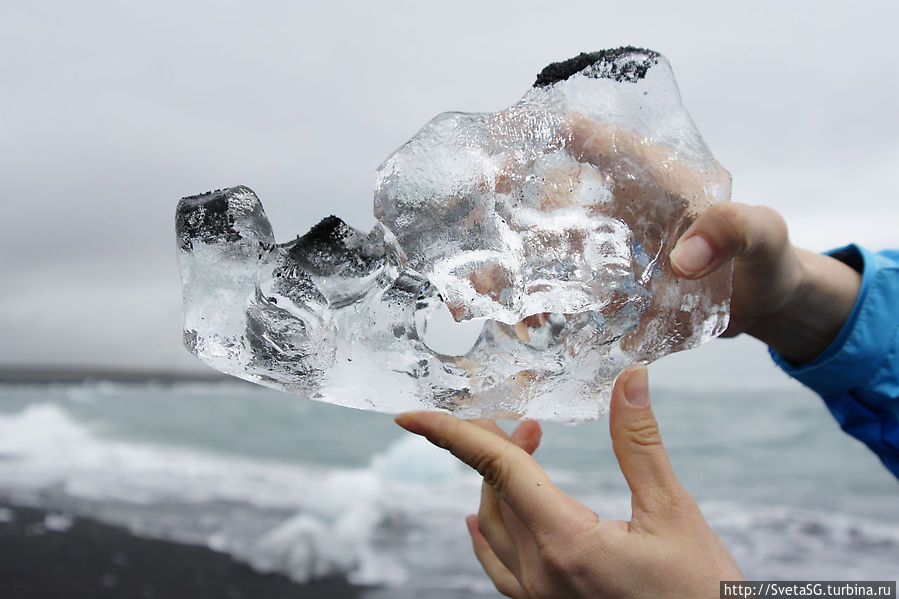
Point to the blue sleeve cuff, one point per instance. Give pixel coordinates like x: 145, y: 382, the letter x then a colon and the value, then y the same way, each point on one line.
x: 859, y: 349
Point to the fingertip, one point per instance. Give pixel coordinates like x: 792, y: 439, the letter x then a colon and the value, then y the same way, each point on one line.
x: 636, y: 386
x: 412, y: 421
x: 630, y: 392
x: 692, y: 256
x: 532, y: 426
x: 535, y: 431
x: 478, y: 540
x: 624, y: 377
x: 405, y: 420
x: 471, y: 521
x: 527, y: 435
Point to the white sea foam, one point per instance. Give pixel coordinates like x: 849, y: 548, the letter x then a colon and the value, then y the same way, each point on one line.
x: 302, y: 520
x: 776, y: 542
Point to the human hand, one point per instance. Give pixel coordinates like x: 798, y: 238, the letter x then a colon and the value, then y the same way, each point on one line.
x: 534, y: 541
x: 794, y: 300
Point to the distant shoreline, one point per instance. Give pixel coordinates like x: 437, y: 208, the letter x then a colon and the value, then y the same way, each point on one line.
x: 35, y: 375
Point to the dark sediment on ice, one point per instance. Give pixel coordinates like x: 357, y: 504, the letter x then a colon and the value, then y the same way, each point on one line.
x: 619, y: 64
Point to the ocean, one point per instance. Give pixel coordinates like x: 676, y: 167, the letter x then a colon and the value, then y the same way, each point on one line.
x: 311, y: 490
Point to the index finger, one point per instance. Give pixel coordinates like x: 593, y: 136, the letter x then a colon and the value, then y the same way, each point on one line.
x: 510, y: 470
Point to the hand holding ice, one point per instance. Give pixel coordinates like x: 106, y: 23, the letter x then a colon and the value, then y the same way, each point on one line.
x: 550, y: 223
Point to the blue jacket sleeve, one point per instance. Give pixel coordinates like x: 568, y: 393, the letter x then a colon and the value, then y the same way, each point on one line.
x: 858, y: 375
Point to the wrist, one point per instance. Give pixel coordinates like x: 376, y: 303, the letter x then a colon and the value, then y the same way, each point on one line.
x: 821, y: 300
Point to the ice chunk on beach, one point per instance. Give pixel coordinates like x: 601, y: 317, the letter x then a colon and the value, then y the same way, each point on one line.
x: 544, y: 230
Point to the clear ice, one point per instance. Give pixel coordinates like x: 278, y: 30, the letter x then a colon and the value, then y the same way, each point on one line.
x: 547, y: 226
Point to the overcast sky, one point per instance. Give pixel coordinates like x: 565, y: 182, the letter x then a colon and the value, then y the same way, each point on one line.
x: 111, y: 111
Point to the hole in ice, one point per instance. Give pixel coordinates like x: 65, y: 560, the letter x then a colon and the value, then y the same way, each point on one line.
x: 442, y: 334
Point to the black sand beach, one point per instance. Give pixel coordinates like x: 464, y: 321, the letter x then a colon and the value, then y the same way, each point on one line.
x: 88, y: 559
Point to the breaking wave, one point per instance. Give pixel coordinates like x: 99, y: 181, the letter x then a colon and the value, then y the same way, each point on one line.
x: 400, y: 514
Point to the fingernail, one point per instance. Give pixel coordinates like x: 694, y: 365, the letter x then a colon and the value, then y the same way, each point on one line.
x: 636, y: 387
x: 692, y: 255
x: 407, y: 421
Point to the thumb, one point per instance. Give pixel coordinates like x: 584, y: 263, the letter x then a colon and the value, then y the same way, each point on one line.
x: 638, y: 445
x: 729, y: 230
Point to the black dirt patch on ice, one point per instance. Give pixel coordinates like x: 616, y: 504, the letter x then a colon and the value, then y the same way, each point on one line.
x: 205, y: 217
x: 330, y: 231
x: 208, y: 193
x: 332, y: 247
x: 619, y: 64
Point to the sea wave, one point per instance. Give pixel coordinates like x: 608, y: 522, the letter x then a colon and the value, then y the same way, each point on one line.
x: 396, y: 521
x: 303, y: 520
